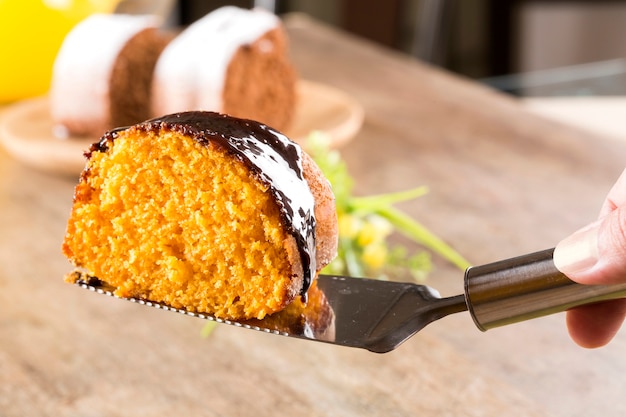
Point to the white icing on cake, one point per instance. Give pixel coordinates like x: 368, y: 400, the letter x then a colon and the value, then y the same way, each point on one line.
x: 81, y: 72
x: 191, y: 71
x: 290, y: 183
x: 293, y: 191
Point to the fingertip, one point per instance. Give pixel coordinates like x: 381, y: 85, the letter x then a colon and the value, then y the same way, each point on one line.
x: 578, y: 253
x: 595, y: 325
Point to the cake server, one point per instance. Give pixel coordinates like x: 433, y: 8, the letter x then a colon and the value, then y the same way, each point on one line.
x: 379, y: 315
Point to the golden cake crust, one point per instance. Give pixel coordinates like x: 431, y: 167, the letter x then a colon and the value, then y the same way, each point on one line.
x: 260, y: 83
x: 326, y: 230
x: 131, y: 78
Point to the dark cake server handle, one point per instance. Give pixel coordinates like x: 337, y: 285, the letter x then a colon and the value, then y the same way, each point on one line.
x: 527, y: 287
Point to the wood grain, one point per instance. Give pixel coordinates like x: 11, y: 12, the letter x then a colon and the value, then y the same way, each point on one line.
x: 503, y: 182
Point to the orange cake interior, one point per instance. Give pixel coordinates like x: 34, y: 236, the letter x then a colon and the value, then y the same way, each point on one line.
x: 162, y: 217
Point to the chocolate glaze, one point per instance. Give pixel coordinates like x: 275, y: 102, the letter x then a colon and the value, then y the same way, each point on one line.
x: 252, y: 143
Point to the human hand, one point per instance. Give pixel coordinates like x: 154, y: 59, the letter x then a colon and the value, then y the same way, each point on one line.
x: 596, y: 255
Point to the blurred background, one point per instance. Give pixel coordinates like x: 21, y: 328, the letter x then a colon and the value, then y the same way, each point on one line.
x: 526, y: 48
x: 565, y: 59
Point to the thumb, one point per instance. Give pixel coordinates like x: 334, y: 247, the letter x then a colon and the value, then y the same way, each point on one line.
x: 596, y: 254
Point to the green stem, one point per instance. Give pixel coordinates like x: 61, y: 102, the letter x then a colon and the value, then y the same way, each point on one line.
x: 414, y: 230
x: 375, y: 202
x: 353, y: 266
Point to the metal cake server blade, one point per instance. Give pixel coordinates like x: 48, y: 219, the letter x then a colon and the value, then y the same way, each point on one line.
x: 359, y: 312
x: 380, y: 315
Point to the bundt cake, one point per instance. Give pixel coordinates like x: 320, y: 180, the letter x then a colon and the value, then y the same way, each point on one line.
x: 232, y: 61
x: 102, y: 75
x: 205, y: 212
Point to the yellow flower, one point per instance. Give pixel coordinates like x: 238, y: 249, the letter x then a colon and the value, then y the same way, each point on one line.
x: 374, y: 256
x: 348, y: 225
x: 374, y: 229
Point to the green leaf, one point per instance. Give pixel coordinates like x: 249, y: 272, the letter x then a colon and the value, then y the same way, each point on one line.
x: 208, y: 329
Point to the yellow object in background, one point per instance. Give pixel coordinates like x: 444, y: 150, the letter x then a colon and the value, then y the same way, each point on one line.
x: 31, y: 33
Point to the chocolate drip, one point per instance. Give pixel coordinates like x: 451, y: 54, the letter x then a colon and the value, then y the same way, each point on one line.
x: 103, y: 144
x: 252, y: 143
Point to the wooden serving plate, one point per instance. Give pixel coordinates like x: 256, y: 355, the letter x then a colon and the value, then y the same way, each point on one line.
x: 26, y: 128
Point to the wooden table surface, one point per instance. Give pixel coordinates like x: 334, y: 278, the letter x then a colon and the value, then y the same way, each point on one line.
x: 503, y: 182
